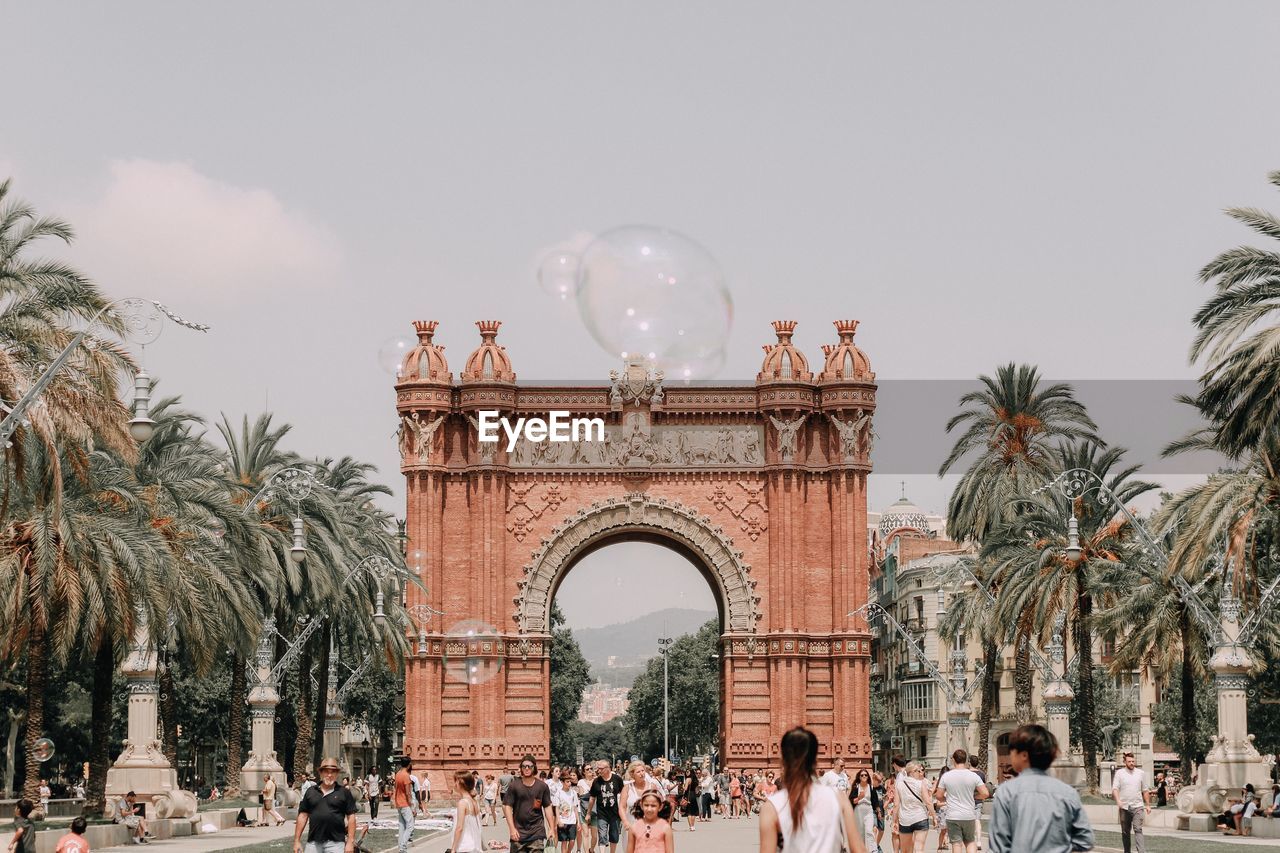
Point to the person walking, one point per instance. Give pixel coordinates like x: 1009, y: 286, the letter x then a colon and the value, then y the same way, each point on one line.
x: 866, y: 802
x: 605, y: 791
x: 650, y: 832
x: 269, y: 789
x: 837, y: 778
x: 466, y: 833
x: 74, y: 841
x: 373, y: 785
x: 24, y: 830
x: 801, y: 816
x: 1034, y: 811
x: 639, y: 782
x: 586, y: 825
x: 689, y: 799
x: 565, y: 801
x: 405, y: 803
x: 1129, y: 790
x: 962, y: 790
x: 707, y: 792
x: 490, y: 801
x: 329, y: 810
x: 915, y: 808
x: 531, y: 820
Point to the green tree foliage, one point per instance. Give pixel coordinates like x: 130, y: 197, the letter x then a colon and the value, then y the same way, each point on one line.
x: 375, y: 701
x: 570, y: 674
x: 1112, y: 705
x: 598, y: 740
x: 694, y: 688
x: 1167, y: 723
x: 881, y: 723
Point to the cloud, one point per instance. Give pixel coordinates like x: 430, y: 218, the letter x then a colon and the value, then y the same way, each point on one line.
x: 167, y: 222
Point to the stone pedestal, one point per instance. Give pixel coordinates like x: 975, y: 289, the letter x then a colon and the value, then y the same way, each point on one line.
x: 1232, y: 761
x: 957, y: 729
x: 1058, y: 697
x: 263, y: 699
x: 142, y: 766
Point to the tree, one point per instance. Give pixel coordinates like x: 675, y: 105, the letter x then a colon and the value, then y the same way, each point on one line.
x: 694, y: 696
x: 1168, y: 723
x: 570, y: 675
x: 1240, y: 389
x: 1112, y: 705
x: 1039, y: 582
x: 606, y: 741
x: 1010, y: 429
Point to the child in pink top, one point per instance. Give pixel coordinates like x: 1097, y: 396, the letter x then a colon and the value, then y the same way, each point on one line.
x: 651, y: 833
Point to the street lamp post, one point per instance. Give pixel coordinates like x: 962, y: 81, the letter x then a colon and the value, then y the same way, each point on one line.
x: 664, y: 647
x: 142, y: 323
x: 1233, y: 761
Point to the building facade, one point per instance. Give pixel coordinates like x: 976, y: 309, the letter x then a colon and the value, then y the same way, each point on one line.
x: 915, y: 579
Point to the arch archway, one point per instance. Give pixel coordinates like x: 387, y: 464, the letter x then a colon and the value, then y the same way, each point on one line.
x: 639, y: 515
x: 762, y: 485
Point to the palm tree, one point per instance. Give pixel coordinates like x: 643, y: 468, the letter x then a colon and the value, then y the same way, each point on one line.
x: 41, y: 304
x: 1152, y: 626
x: 1240, y: 389
x: 1011, y: 425
x: 1038, y: 581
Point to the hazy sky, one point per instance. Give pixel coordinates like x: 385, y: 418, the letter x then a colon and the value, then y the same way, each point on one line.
x: 975, y: 183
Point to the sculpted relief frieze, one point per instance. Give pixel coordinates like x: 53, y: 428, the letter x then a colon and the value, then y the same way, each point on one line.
x: 638, y: 444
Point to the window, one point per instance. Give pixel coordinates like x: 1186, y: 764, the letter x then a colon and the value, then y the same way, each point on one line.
x: 917, y: 702
x: 785, y: 372
x: 847, y: 368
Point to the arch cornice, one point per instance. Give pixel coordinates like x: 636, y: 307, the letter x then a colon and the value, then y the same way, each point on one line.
x: 640, y: 513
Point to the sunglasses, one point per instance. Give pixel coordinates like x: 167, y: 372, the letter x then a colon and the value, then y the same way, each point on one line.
x: 529, y: 766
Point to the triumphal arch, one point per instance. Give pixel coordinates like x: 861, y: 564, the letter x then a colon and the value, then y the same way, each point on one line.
x: 762, y: 485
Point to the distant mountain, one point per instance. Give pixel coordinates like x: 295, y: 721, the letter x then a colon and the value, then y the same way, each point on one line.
x: 630, y: 644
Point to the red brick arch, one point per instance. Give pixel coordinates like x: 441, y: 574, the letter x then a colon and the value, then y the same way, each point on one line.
x: 762, y: 485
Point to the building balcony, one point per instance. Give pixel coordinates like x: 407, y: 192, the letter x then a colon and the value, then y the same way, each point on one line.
x: 921, y: 715
x: 912, y: 669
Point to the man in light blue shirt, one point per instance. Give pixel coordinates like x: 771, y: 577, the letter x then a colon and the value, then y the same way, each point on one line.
x: 1036, y: 811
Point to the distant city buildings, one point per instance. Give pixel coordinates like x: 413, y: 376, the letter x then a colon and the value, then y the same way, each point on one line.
x: 601, y: 703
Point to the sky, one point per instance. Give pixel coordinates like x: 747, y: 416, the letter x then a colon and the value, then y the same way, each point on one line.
x: 975, y: 183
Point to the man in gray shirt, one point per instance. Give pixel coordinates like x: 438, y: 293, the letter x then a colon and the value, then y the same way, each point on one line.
x: 961, y: 789
x: 1036, y: 811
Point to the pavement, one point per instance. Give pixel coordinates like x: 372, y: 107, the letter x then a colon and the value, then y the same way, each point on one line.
x: 718, y: 836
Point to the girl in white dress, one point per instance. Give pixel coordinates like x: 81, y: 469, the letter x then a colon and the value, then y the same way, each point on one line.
x: 466, y: 818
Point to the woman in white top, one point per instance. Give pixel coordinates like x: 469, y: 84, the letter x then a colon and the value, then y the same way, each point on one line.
x: 466, y: 818
x: 803, y: 816
x: 915, y: 808
x: 638, y: 781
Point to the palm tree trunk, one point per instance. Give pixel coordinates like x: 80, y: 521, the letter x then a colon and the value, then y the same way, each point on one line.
x: 235, y: 726
x: 169, y: 714
x: 104, y: 680
x: 303, y: 714
x: 1022, y: 679
x: 322, y: 700
x: 990, y: 684
x: 1084, y: 693
x: 37, y: 681
x: 1188, y: 715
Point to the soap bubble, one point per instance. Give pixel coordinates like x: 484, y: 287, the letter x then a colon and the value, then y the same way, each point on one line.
x: 648, y: 290
x: 42, y: 750
x: 392, y: 352
x: 473, y: 652
x: 558, y: 273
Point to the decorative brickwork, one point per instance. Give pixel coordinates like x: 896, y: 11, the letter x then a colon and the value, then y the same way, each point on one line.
x: 762, y: 487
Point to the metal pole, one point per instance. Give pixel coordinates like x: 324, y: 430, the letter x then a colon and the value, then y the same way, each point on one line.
x: 666, y: 717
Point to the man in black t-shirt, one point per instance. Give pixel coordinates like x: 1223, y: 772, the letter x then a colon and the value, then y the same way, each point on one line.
x: 530, y: 815
x: 604, y: 802
x: 330, y: 810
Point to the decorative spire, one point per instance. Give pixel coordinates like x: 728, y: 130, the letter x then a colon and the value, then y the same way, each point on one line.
x: 426, y: 361
x: 782, y: 361
x: 844, y: 361
x: 489, y: 362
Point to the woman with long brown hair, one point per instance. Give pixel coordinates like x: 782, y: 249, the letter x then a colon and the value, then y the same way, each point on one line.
x: 803, y: 816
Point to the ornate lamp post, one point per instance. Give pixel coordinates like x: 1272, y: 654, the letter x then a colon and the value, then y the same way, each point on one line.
x: 143, y: 321
x: 664, y: 649
x: 1232, y: 761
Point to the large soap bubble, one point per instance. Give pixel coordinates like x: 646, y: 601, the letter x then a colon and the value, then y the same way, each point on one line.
x: 473, y: 652
x: 392, y: 352
x: 558, y: 273
x: 650, y: 291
